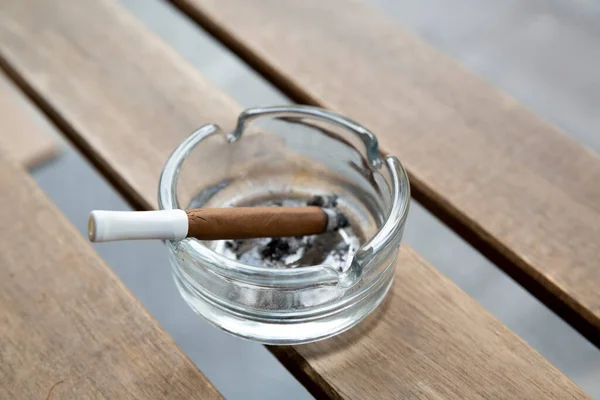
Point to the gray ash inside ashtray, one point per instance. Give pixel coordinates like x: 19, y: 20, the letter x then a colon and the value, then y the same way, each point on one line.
x: 332, y: 248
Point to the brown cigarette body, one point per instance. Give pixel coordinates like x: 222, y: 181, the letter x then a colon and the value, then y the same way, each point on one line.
x: 255, y: 222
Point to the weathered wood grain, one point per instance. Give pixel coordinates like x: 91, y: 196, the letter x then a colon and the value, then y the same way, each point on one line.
x: 127, y: 100
x: 523, y: 193
x: 20, y: 135
x: 66, y: 318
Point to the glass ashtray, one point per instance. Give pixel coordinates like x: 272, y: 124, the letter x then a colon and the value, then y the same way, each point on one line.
x: 290, y: 290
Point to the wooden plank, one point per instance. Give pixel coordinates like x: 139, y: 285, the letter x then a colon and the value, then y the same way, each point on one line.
x: 20, y: 135
x: 67, y: 320
x: 520, y: 191
x: 428, y: 339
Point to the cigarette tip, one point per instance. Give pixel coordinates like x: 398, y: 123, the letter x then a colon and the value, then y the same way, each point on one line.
x: 335, y: 219
x: 92, y: 227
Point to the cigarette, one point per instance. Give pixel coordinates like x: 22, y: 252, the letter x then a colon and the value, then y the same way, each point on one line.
x: 213, y: 223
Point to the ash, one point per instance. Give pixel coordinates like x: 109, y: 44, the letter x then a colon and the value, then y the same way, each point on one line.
x: 331, y: 248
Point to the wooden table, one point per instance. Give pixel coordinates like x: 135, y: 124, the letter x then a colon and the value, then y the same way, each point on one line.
x: 481, y: 162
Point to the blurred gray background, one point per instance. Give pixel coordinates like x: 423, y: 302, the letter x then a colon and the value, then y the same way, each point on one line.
x: 544, y: 53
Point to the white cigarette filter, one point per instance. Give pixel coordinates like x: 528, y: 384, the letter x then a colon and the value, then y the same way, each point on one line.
x: 105, y: 226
